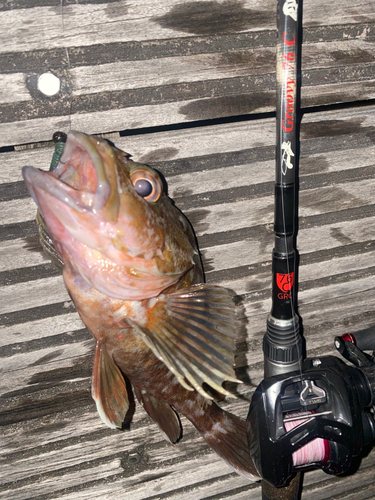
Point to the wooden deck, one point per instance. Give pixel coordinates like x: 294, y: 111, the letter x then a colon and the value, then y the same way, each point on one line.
x: 188, y: 88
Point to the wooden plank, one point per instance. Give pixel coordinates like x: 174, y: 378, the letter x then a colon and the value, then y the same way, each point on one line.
x: 126, y: 75
x: 91, y: 23
x: 17, y: 334
x: 32, y: 294
x: 128, y: 66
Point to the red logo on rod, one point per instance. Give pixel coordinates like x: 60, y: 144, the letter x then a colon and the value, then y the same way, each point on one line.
x: 285, y: 281
x: 289, y: 91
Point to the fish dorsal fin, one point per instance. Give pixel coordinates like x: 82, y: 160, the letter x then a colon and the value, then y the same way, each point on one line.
x: 108, y: 389
x: 192, y: 331
x: 162, y: 414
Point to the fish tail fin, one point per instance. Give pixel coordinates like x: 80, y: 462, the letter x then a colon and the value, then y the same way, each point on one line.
x: 228, y: 438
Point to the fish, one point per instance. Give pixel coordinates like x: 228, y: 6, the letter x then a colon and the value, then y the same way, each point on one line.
x: 131, y: 265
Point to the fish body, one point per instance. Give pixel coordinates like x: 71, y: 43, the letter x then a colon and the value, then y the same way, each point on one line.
x: 132, y: 268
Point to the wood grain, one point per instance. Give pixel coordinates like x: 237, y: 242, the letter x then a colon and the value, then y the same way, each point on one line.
x: 53, y: 443
x: 126, y: 67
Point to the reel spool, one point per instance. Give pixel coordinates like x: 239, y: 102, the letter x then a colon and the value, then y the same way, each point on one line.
x: 318, y: 451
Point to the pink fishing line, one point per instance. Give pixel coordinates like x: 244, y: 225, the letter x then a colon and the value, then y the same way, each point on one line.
x: 315, y: 451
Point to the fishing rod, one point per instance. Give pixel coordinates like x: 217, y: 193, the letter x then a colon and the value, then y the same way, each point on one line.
x: 306, y: 413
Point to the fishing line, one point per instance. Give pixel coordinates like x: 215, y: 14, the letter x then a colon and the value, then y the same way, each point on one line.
x: 69, y: 66
x: 317, y: 450
x: 292, y: 304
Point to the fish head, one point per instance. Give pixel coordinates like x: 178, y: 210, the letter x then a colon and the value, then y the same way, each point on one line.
x: 111, y: 221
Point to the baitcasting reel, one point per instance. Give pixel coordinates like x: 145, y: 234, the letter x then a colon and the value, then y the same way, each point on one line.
x: 322, y: 416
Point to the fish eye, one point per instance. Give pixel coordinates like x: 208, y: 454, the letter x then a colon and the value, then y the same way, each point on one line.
x: 146, y: 184
x: 143, y: 187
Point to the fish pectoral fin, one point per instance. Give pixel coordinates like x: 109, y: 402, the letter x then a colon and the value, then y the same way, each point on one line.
x: 162, y: 414
x: 192, y: 331
x: 108, y: 389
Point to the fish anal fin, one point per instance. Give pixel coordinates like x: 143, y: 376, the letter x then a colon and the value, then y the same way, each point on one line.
x: 109, y: 389
x: 162, y: 414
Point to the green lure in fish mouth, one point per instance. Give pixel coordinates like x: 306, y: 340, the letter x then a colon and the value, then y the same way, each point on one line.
x: 59, y: 139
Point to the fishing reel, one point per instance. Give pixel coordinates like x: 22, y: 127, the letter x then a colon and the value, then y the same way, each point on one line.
x: 319, y: 417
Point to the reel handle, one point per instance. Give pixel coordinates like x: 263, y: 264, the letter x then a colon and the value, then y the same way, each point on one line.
x: 363, y: 339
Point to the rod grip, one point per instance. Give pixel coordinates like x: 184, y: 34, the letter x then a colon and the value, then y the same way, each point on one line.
x: 293, y: 490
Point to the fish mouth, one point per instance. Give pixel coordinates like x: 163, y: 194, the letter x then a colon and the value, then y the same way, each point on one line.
x: 79, y: 180
x: 39, y: 180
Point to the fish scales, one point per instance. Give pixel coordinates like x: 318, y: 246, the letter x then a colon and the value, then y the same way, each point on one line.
x: 132, y: 267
